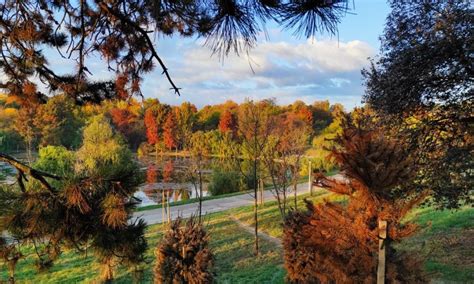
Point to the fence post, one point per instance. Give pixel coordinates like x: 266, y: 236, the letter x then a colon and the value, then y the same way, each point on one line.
x: 162, y: 206
x: 168, y: 213
x: 381, y: 262
x: 310, y: 179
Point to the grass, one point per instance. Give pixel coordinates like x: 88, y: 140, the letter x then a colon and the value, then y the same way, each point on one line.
x: 232, y: 246
x: 444, y: 240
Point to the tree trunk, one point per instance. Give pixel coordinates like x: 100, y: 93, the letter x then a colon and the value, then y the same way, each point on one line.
x: 200, y: 196
x: 255, y: 207
x: 295, y: 188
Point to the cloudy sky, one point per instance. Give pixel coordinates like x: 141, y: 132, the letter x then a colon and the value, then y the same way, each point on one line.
x: 283, y: 66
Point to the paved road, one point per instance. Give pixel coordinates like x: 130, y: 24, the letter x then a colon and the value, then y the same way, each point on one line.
x: 209, y: 206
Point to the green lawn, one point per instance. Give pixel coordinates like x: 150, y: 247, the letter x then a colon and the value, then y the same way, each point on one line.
x: 445, y: 239
x: 232, y: 246
x: 444, y: 243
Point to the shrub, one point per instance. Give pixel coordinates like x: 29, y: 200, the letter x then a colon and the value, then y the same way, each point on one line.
x: 331, y: 242
x: 224, y: 182
x: 55, y: 160
x: 184, y: 256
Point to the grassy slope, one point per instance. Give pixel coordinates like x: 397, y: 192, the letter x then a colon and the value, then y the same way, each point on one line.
x: 444, y: 243
x: 445, y: 239
x: 232, y: 246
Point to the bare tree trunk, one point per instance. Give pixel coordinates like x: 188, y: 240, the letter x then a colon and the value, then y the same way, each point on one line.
x: 200, y: 195
x: 168, y: 206
x: 295, y: 188
x: 162, y: 206
x: 255, y: 207
x: 28, y: 151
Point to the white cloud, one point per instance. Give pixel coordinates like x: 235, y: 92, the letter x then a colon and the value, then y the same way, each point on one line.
x: 311, y: 70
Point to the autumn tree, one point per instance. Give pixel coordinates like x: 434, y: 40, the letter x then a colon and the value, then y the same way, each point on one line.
x: 333, y: 242
x: 151, y: 126
x: 155, y: 118
x: 170, y: 131
x: 208, y: 118
x: 26, y: 127
x: 228, y: 123
x: 129, y: 125
x: 283, y: 154
x: 254, y: 130
x: 422, y: 89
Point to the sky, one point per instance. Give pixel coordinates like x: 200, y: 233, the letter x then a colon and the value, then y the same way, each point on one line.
x: 283, y: 66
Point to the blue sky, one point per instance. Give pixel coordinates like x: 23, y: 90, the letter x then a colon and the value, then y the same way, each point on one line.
x: 285, y: 67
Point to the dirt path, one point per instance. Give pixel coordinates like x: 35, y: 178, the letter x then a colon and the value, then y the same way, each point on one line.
x: 262, y: 235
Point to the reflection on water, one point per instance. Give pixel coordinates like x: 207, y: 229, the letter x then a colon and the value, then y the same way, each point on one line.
x: 170, y: 179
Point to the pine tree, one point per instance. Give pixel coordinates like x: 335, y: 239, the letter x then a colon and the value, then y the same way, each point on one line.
x: 333, y: 242
x: 184, y: 256
x: 89, y: 208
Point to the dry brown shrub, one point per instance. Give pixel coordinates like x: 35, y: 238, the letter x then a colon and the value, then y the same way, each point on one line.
x: 337, y: 242
x: 183, y: 256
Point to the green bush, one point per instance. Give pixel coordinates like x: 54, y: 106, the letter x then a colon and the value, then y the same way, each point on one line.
x: 224, y: 182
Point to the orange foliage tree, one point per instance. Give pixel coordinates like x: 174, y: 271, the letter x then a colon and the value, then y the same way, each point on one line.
x: 228, y: 123
x: 170, y: 131
x: 333, y: 242
x: 151, y: 126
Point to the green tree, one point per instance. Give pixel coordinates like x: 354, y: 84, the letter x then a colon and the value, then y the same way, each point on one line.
x: 186, y: 120
x: 90, y: 209
x: 421, y: 87
x: 200, y: 149
x: 56, y: 160
x: 59, y: 122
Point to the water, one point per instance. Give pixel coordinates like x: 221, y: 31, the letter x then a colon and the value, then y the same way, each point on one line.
x: 166, y: 178
x: 171, y: 179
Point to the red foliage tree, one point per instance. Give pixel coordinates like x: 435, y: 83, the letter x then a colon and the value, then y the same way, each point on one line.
x: 228, y: 123
x: 152, y: 134
x: 170, y: 131
x: 306, y: 115
x: 122, y: 118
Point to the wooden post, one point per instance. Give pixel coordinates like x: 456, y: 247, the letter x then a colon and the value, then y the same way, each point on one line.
x: 310, y: 179
x: 381, y: 262
x: 168, y: 206
x: 162, y: 206
x: 260, y: 191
